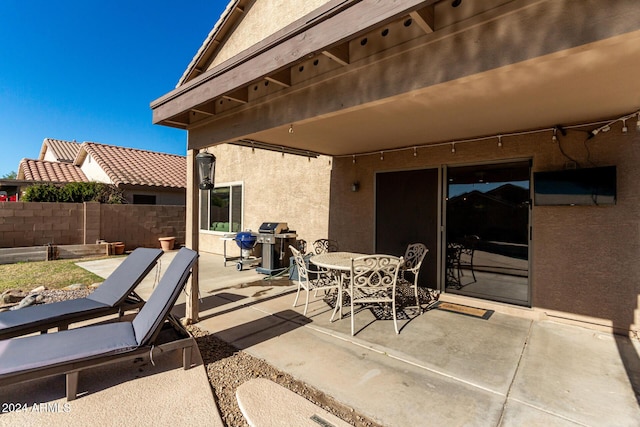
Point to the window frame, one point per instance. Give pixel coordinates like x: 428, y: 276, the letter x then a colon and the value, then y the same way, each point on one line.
x: 230, y: 185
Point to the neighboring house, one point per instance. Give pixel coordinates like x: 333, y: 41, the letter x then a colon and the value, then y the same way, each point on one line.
x: 413, y: 100
x: 145, y: 177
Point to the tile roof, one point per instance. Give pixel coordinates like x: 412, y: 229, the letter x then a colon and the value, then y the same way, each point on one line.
x: 139, y: 167
x: 64, y: 151
x: 42, y: 170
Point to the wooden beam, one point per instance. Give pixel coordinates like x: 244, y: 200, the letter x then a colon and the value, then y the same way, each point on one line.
x: 209, y: 109
x: 429, y: 63
x: 192, y: 238
x: 282, y: 78
x: 340, y: 54
x: 240, y: 95
x: 175, y: 123
x: 267, y: 57
x: 425, y: 18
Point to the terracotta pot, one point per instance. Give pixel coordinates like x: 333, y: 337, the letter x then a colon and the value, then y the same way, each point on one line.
x: 118, y: 248
x: 166, y: 243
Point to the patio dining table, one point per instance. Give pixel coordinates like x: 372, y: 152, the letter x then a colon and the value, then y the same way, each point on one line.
x: 340, y: 262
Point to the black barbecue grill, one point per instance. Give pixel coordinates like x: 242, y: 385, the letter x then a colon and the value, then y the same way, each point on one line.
x: 275, y: 238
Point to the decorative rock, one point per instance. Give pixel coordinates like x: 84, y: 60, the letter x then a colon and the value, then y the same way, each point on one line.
x: 75, y: 287
x: 38, y: 289
x: 26, y: 302
x: 11, y: 296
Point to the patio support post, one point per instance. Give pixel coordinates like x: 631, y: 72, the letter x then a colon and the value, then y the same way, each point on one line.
x: 192, y: 238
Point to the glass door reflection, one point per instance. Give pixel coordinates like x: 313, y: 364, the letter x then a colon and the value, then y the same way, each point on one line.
x: 487, y: 237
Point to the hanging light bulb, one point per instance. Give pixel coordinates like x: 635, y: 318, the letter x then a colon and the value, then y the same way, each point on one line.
x: 453, y: 148
x: 499, y: 141
x: 354, y: 159
x: 415, y: 152
x: 382, y: 155
x: 554, y: 138
x: 290, y: 128
x: 638, y: 123
x: 624, y: 126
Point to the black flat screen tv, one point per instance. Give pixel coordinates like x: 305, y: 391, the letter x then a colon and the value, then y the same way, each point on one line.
x: 575, y: 187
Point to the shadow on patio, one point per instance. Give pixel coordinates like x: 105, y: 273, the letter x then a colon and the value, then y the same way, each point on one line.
x: 443, y: 368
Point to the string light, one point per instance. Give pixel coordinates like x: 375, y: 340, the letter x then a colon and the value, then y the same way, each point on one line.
x: 290, y: 128
x: 603, y: 126
x: 606, y: 127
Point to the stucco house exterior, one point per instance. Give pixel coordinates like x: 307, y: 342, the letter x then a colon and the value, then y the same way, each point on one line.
x: 444, y: 113
x: 145, y: 177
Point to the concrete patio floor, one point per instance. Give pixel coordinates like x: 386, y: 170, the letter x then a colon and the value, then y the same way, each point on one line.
x: 443, y: 369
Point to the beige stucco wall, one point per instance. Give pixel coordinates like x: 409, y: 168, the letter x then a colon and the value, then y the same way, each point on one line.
x: 93, y: 171
x: 260, y: 20
x: 583, y: 259
x: 49, y: 156
x: 289, y: 189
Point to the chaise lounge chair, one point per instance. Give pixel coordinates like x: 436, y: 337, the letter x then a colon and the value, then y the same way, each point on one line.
x: 115, y: 295
x: 71, y: 351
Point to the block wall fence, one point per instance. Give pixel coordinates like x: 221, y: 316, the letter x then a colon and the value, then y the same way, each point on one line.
x: 34, y: 224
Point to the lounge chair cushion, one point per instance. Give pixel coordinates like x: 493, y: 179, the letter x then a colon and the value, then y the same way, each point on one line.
x: 163, y: 296
x: 118, y: 285
x: 43, y: 351
x: 45, y: 312
x: 104, y: 300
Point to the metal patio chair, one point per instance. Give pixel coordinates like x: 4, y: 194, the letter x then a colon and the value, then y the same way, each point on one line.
x: 413, y: 258
x: 316, y: 280
x: 322, y: 246
x: 373, y: 281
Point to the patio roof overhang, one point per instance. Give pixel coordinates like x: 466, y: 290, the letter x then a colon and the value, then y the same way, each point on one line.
x: 519, y: 65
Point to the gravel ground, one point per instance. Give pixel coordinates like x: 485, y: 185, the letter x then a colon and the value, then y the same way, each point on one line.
x: 228, y: 368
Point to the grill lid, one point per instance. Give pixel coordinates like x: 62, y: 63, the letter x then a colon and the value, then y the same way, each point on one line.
x: 273, y: 227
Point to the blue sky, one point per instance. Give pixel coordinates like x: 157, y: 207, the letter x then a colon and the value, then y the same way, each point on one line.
x: 88, y: 70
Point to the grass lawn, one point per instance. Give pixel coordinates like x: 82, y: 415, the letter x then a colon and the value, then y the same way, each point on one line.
x: 52, y: 274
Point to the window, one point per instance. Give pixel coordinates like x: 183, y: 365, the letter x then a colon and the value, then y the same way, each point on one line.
x: 144, y: 199
x: 221, y: 208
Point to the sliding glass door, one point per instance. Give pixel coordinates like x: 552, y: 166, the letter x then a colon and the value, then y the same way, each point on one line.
x: 487, y: 231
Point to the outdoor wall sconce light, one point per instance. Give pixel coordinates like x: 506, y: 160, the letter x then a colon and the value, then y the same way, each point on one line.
x: 206, y: 163
x: 355, y: 186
